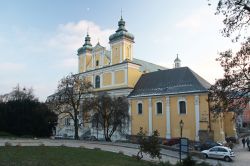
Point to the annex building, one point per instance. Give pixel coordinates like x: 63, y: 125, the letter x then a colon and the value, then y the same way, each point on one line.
x: 159, y: 98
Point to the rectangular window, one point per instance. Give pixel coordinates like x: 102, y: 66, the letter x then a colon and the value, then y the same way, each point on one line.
x: 159, y: 107
x: 139, y: 108
x: 67, y: 122
x: 182, y: 107
x: 97, y: 63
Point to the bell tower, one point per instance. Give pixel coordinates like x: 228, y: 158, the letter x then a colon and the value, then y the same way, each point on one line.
x: 85, y: 55
x: 121, y: 44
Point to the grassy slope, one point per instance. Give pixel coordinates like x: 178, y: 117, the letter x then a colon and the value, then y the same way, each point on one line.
x: 63, y: 156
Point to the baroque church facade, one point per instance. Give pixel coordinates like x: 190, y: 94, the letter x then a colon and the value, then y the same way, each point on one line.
x: 159, y: 98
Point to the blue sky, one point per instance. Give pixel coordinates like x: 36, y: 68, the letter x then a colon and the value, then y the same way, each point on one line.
x: 39, y: 39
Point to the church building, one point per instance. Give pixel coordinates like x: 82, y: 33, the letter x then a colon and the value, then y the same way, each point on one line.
x: 159, y: 98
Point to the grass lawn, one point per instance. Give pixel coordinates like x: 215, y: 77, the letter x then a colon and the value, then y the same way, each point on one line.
x: 63, y: 156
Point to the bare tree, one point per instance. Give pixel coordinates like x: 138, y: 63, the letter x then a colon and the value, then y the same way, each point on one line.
x: 231, y: 93
x: 110, y: 114
x: 18, y: 94
x: 71, y: 91
x: 236, y: 15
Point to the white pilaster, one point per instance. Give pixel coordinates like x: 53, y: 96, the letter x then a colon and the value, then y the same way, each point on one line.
x: 130, y: 119
x: 101, y: 80
x: 126, y: 76
x: 168, y: 127
x: 113, y: 77
x: 132, y: 52
x: 93, y: 64
x: 92, y: 79
x: 150, y: 124
x: 120, y: 53
x: 102, y: 58
x: 197, y: 116
x: 111, y: 55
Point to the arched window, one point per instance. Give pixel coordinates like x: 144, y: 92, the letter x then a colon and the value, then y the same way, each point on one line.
x: 97, y: 63
x: 159, y: 107
x: 139, y: 108
x: 182, y: 107
x: 97, y: 82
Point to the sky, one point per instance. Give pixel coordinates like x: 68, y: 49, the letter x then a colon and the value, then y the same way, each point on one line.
x: 39, y: 39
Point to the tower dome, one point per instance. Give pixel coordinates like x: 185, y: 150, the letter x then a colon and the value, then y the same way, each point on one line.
x: 121, y: 33
x: 87, y: 46
x: 177, y: 62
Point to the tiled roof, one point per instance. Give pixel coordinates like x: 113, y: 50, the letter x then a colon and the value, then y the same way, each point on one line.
x: 147, y: 66
x: 171, y: 81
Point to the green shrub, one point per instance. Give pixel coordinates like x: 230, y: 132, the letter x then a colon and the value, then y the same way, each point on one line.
x: 149, y: 145
x: 18, y: 145
x: 120, y: 152
x: 42, y: 144
x: 6, y: 134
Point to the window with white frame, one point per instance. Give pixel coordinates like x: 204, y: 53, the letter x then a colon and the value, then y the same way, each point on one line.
x: 139, y: 108
x: 97, y: 82
x: 182, y: 107
x: 159, y: 107
x: 67, y: 121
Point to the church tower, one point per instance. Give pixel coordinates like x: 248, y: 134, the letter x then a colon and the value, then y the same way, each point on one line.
x: 85, y: 55
x: 121, y: 44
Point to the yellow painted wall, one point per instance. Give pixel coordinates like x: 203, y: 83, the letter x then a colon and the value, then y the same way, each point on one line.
x: 119, y: 77
x: 116, y: 50
x: 229, y: 124
x: 139, y: 120
x: 89, y: 78
x: 188, y: 119
x: 107, y: 79
x: 159, y: 120
x: 133, y: 76
x: 204, y: 112
x: 88, y: 61
x: 217, y: 125
x: 127, y: 51
x: 106, y: 61
x: 97, y: 58
x: 81, y: 64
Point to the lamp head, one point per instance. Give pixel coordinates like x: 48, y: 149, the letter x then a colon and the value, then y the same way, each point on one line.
x: 181, y: 124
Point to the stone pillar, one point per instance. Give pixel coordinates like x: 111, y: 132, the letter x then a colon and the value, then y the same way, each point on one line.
x: 197, y: 116
x: 168, y: 124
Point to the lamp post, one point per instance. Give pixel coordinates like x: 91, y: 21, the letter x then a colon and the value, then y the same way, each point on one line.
x: 181, y: 127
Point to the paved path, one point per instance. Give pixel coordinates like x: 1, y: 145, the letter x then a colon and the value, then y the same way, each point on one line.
x: 241, y: 159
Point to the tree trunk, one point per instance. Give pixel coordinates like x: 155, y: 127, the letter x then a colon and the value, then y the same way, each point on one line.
x: 76, y: 126
x: 76, y: 130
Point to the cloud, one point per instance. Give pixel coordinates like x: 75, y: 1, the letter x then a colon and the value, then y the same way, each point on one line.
x: 9, y: 66
x: 51, y: 54
x: 199, y: 19
x: 68, y: 63
x: 70, y: 36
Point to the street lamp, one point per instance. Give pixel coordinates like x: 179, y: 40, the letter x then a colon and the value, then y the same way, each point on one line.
x: 181, y: 126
